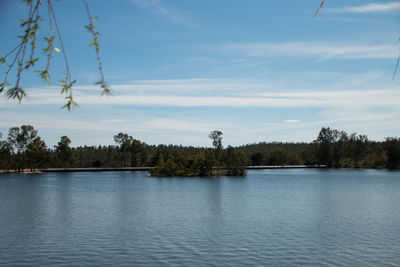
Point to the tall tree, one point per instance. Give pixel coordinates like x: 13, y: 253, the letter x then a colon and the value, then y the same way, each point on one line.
x: 216, y: 137
x: 19, y: 140
x: 310, y: 153
x: 65, y: 154
x: 124, y: 141
x: 325, y: 139
x: 37, y: 153
x: 135, y: 148
x: 358, y: 146
x: 129, y: 148
x: 5, y: 155
x: 340, y: 139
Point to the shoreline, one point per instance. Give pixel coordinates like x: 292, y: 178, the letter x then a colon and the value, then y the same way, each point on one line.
x: 286, y: 167
x: 45, y: 170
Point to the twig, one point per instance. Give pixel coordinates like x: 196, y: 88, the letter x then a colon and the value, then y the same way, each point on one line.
x: 397, y: 65
x: 91, y: 27
x: 61, y: 41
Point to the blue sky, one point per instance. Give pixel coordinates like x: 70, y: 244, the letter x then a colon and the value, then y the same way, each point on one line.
x: 256, y: 70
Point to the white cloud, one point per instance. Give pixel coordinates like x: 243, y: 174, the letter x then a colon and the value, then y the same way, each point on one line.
x: 393, y: 6
x: 171, y: 13
x: 310, y: 49
x: 86, y: 131
x: 361, y: 91
x: 142, y: 124
x: 175, y: 125
x: 179, y: 111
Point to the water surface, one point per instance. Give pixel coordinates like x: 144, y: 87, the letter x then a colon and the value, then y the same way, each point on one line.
x: 271, y: 217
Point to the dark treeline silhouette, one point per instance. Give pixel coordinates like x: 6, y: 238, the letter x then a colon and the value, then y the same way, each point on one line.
x: 274, y: 154
x: 203, y: 162
x: 23, y: 149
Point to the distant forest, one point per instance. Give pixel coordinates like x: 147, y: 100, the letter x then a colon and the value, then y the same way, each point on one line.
x: 23, y: 149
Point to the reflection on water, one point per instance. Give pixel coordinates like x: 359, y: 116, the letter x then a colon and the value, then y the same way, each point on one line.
x: 271, y: 217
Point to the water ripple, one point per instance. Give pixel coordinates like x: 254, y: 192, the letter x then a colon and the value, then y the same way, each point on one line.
x: 272, y: 217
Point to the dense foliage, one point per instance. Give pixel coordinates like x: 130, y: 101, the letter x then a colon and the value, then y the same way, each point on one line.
x: 23, y: 149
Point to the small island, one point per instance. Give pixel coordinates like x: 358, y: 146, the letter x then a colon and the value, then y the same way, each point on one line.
x: 207, y: 163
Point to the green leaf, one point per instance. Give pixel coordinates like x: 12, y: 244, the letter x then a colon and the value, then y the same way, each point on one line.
x: 44, y: 74
x: 16, y: 93
x: 49, y: 40
x: 106, y: 88
x: 31, y: 63
x: 107, y: 92
x: 24, y: 22
x: 70, y: 103
x: 94, y: 42
x: 90, y: 27
x: 3, y: 86
x: 65, y: 86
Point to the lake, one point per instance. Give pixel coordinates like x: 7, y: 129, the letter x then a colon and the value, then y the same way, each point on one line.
x: 285, y: 217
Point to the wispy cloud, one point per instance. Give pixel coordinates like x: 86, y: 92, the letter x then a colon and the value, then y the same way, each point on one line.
x: 232, y: 93
x: 310, y: 49
x: 84, y: 131
x: 144, y: 124
x: 173, y: 14
x: 393, y: 6
x: 291, y: 109
x: 291, y: 121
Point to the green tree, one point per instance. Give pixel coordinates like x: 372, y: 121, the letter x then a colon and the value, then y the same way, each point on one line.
x: 135, y: 148
x: 124, y: 142
x: 144, y: 156
x: 169, y: 168
x: 19, y: 140
x: 280, y: 157
x: 341, y: 139
x: 65, y: 155
x: 159, y: 166
x: 325, y: 140
x: 392, y: 147
x: 198, y: 165
x: 236, y: 165
x: 359, y: 146
x: 129, y: 148
x: 293, y: 159
x: 207, y: 167
x: 216, y: 137
x: 6, y: 159
x: 37, y: 153
x: 257, y: 159
x: 310, y: 153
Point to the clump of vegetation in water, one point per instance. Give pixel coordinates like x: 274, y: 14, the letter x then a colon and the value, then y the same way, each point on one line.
x: 206, y: 163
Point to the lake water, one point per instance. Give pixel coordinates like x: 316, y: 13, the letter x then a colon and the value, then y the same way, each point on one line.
x: 271, y: 217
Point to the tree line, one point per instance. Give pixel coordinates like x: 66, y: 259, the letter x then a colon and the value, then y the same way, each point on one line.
x: 338, y: 149
x: 206, y: 162
x: 24, y: 149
